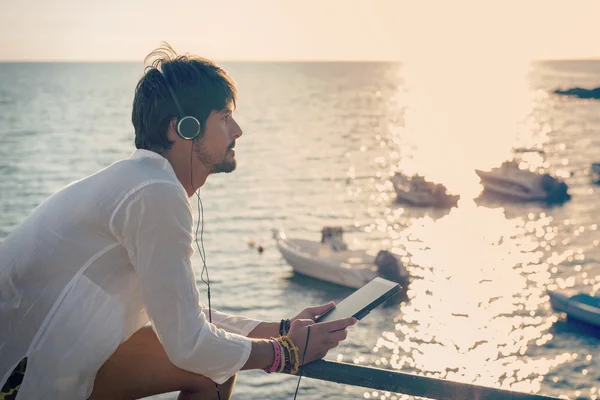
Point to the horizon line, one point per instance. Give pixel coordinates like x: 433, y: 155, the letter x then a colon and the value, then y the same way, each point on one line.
x: 274, y: 60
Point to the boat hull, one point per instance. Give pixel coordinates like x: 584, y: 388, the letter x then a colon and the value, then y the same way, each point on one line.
x: 582, y: 307
x: 511, y: 192
x: 417, y: 200
x: 423, y: 198
x: 522, y: 185
x: 341, y: 272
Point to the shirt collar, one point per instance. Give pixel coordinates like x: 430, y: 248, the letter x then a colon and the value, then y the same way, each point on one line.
x: 166, y: 165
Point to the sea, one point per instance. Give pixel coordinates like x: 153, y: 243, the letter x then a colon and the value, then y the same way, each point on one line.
x: 321, y: 141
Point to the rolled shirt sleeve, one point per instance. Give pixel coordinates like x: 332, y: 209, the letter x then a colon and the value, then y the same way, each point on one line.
x: 154, y: 224
x: 234, y: 323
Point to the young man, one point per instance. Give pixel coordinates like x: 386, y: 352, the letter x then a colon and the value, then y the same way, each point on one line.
x: 81, y: 277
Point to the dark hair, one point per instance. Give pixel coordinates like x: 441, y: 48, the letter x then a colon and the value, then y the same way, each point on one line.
x: 200, y: 85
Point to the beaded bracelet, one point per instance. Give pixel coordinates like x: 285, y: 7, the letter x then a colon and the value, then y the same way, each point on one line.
x: 295, y: 355
x: 284, y: 327
x: 289, y: 361
x: 292, y: 353
x: 285, y: 359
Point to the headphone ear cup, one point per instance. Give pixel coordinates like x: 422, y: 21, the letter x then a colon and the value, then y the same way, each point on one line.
x: 188, y: 127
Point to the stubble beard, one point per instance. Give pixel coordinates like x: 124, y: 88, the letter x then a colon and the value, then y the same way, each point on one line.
x: 225, y: 166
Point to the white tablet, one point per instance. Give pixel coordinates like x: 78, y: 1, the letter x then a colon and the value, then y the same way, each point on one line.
x: 362, y: 301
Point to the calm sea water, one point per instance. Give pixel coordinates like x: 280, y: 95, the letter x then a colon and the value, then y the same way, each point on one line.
x: 320, y: 143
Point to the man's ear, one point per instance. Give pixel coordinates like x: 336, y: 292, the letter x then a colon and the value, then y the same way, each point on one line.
x: 172, y: 130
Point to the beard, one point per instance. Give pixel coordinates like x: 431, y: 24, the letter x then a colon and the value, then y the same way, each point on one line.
x: 226, y: 166
x: 214, y: 163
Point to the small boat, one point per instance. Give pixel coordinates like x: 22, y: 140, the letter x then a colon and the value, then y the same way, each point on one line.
x: 582, y: 93
x: 525, y: 150
x: 596, y: 173
x: 511, y: 181
x: 330, y: 260
x: 419, y: 192
x: 581, y: 306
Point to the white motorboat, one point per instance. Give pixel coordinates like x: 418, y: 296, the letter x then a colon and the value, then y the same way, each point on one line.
x: 417, y: 191
x: 580, y: 306
x: 330, y: 260
x: 511, y: 181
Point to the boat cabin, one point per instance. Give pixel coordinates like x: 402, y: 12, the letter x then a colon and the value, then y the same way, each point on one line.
x: 332, y: 236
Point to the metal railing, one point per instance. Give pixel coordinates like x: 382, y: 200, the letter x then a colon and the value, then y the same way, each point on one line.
x: 414, y: 385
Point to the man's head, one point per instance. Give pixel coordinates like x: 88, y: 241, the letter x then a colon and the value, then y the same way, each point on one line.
x: 204, y: 91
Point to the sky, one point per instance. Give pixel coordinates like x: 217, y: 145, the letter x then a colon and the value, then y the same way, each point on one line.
x: 323, y: 30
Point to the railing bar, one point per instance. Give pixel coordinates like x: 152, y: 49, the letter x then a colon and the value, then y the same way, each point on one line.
x: 414, y: 385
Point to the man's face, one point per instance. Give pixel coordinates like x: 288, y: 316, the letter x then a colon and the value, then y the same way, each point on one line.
x: 215, y: 148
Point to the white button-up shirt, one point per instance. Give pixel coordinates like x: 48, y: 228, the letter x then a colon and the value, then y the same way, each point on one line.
x: 91, y: 265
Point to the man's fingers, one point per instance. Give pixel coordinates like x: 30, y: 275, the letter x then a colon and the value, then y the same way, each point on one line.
x: 338, y: 324
x: 318, y: 310
x: 302, y: 322
x: 338, y: 336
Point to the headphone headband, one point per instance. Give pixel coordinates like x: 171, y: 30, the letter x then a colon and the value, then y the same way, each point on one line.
x: 188, y: 127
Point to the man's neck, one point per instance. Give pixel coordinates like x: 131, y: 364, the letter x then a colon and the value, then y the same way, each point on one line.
x: 181, y: 166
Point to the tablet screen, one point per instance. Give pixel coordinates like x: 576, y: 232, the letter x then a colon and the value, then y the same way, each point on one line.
x: 359, y: 303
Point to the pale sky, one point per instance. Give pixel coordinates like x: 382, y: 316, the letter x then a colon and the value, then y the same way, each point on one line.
x: 127, y: 30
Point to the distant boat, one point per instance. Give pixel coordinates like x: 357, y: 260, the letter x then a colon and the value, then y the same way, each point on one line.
x: 581, y: 306
x: 518, y: 150
x: 511, y: 181
x: 596, y: 173
x: 580, y: 93
x: 419, y: 192
x: 330, y: 260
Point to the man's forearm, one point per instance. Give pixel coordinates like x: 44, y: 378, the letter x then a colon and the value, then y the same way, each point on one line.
x: 265, y: 330
x: 261, y: 356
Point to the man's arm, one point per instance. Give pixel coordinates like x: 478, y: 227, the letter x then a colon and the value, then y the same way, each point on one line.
x: 235, y: 323
x: 154, y: 224
x: 265, y: 330
x: 155, y: 227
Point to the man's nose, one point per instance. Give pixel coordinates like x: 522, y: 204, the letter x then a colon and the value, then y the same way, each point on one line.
x: 237, y: 130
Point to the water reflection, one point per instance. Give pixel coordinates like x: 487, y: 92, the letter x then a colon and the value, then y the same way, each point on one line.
x: 450, y: 128
x: 476, y: 309
x: 478, y: 302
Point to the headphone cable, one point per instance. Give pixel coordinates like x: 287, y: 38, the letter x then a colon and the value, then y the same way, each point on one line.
x: 202, y: 251
x: 302, y: 365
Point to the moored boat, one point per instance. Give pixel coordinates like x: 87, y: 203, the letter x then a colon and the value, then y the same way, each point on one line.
x: 420, y: 192
x: 330, y: 260
x: 511, y: 181
x: 581, y: 306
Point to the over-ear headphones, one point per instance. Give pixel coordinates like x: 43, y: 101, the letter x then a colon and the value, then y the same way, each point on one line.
x: 188, y: 127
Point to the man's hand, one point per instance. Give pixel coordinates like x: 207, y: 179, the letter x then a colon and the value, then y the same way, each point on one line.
x: 324, y: 336
x: 313, y: 312
x: 266, y: 330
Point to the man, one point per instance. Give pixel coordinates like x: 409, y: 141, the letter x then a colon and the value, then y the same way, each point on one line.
x: 81, y: 277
